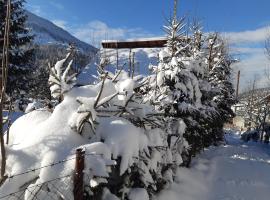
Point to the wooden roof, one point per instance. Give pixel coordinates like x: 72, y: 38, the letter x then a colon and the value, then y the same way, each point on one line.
x: 157, y: 43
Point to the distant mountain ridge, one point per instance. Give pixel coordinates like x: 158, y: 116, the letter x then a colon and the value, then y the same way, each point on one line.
x: 47, y: 32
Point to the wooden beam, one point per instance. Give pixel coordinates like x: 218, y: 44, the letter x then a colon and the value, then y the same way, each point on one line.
x: 134, y: 44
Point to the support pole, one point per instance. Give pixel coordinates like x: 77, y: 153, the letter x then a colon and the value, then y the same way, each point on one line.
x: 3, y: 84
x: 78, y: 189
x: 237, y: 85
x: 117, y: 59
x: 129, y: 70
x: 133, y: 64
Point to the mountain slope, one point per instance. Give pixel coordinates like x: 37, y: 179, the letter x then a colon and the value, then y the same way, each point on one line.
x: 46, y: 32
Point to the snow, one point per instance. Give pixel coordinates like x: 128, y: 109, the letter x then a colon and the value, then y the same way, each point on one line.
x: 20, y: 130
x: 124, y: 139
x: 236, y: 171
x: 89, y: 73
x: 40, y: 138
x: 138, y: 194
x: 33, y: 106
x: 46, y: 32
x: 60, y: 79
x: 143, y: 58
x: 126, y: 85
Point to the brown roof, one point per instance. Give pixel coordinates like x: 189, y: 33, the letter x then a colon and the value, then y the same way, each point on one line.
x: 134, y: 44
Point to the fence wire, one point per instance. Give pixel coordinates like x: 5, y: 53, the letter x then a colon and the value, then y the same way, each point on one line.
x: 55, y: 189
x: 59, y: 188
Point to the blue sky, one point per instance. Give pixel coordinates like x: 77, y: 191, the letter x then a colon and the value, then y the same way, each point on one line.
x: 243, y: 22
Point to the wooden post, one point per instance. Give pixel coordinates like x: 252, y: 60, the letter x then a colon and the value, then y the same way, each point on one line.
x: 237, y: 85
x: 252, y: 101
x: 3, y: 83
x: 78, y: 189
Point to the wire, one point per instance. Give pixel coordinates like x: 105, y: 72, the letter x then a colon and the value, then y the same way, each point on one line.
x: 36, y: 185
x: 49, y: 165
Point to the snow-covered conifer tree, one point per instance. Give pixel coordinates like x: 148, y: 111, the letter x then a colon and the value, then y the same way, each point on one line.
x: 62, y: 78
x: 177, y: 93
x: 219, y: 75
x: 20, y: 68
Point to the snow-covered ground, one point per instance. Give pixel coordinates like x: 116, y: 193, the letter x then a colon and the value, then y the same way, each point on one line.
x: 237, y: 171
x: 143, y: 58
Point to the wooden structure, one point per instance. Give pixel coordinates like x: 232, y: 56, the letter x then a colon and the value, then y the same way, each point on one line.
x: 78, y: 189
x: 140, y: 43
x: 151, y: 43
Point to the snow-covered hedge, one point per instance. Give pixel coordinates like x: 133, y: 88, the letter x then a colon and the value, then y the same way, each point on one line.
x: 135, y: 131
x: 115, y: 129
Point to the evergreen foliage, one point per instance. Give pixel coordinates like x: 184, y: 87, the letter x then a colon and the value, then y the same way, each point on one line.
x: 62, y: 77
x: 20, y: 55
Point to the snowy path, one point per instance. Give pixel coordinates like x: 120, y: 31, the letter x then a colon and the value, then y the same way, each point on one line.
x: 237, y: 171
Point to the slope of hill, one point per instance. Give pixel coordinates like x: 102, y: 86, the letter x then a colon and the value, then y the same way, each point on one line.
x: 46, y: 32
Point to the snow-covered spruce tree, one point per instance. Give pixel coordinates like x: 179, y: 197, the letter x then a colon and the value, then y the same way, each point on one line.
x: 149, y: 170
x: 20, y: 55
x: 62, y: 78
x: 207, y: 112
x: 219, y: 75
x: 177, y: 93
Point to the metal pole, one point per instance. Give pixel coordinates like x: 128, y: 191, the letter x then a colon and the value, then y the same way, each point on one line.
x: 133, y: 64
x: 117, y: 59
x: 129, y: 71
x: 237, y: 85
x: 78, y: 189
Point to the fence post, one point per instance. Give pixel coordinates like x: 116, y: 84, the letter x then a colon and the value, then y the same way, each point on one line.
x: 78, y: 189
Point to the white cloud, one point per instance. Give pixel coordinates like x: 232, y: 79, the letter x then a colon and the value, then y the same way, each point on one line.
x: 249, y: 47
x: 35, y: 9
x: 246, y: 50
x: 60, y: 23
x: 95, y: 31
x: 249, y: 36
x: 252, y: 66
x: 57, y: 5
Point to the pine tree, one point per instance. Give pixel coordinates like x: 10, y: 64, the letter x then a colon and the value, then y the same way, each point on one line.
x: 20, y: 55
